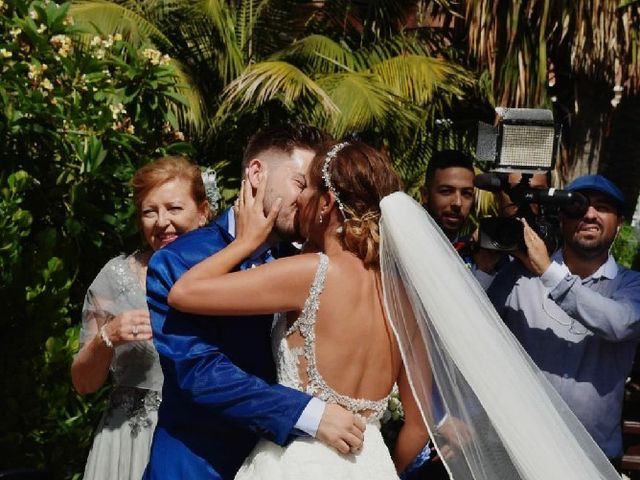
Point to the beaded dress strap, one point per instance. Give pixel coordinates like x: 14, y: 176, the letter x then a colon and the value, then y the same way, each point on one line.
x: 305, y: 324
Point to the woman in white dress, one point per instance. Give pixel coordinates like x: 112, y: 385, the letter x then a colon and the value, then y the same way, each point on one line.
x: 335, y: 343
x: 170, y: 199
x: 389, y: 301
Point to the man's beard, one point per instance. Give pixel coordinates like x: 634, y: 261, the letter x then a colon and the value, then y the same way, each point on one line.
x: 284, y: 230
x: 591, y: 248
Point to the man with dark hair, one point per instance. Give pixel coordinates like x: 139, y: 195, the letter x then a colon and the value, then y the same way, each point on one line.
x: 285, y: 139
x: 448, y: 193
x: 219, y: 394
x: 577, y: 313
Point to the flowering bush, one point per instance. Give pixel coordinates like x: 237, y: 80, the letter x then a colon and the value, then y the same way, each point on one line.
x: 78, y: 114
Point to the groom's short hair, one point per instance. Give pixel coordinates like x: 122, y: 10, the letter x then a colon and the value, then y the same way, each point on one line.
x: 284, y: 138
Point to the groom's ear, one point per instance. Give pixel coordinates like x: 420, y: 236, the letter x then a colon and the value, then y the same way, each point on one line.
x: 254, y: 171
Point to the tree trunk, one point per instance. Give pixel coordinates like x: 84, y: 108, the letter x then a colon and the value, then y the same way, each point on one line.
x: 635, y: 218
x: 620, y: 160
x: 587, y: 128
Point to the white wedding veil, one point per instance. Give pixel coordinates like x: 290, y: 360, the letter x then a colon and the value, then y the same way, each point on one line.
x: 512, y: 423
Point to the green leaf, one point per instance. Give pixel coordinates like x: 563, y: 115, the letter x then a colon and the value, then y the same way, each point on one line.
x: 180, y: 99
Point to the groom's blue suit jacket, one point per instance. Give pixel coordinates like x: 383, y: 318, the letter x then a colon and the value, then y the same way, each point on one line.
x: 218, y: 396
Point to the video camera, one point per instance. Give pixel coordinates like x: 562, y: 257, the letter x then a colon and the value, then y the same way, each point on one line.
x: 525, y: 140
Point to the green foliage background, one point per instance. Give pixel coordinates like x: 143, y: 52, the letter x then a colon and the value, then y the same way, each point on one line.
x: 80, y: 112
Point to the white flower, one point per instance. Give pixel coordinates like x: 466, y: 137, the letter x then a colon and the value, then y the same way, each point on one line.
x: 62, y: 43
x: 33, y: 14
x: 117, y: 109
x: 14, y: 32
x: 35, y: 72
x: 152, y: 55
x: 100, y: 53
x: 4, y: 53
x: 108, y: 43
x: 68, y: 21
x: 117, y: 37
x: 155, y: 57
x: 131, y: 130
x: 46, y: 84
x: 95, y: 41
x: 42, y: 28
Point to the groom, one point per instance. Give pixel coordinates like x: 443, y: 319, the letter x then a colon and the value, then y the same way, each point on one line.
x: 219, y: 394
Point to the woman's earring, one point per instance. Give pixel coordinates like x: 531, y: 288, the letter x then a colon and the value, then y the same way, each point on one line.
x: 320, y: 219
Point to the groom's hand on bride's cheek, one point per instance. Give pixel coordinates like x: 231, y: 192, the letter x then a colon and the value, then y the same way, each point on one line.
x: 341, y: 429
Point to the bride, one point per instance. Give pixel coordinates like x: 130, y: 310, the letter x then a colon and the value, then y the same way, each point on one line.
x: 365, y: 314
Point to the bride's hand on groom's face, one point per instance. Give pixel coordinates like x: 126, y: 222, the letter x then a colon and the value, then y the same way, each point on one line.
x: 341, y: 429
x: 253, y: 226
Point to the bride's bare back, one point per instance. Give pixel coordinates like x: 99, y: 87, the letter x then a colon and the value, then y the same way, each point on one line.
x: 356, y: 353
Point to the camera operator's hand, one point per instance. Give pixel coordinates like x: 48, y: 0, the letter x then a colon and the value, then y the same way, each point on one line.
x: 535, y: 258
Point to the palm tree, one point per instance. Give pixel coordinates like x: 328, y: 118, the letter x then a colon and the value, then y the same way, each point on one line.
x: 579, y: 58
x: 346, y: 66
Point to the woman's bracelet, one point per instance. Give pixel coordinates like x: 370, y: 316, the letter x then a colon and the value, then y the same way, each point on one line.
x: 105, y: 337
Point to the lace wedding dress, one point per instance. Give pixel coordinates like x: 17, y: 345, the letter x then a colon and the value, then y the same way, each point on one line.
x: 307, y: 457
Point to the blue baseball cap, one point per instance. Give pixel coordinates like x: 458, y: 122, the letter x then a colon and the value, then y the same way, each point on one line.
x: 599, y: 184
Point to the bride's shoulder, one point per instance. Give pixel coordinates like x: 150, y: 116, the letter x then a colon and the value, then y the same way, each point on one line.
x: 304, y: 260
x: 302, y: 266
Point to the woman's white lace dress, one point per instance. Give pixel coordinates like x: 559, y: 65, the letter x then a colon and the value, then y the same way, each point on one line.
x: 307, y: 458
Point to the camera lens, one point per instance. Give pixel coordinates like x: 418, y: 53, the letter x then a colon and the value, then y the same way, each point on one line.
x: 502, y: 234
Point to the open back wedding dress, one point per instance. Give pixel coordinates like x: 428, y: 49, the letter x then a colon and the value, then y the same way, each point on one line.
x: 306, y: 457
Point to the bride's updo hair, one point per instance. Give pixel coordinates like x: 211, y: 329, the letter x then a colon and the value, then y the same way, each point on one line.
x: 361, y: 176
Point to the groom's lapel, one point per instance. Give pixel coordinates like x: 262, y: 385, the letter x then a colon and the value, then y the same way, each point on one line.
x: 222, y: 221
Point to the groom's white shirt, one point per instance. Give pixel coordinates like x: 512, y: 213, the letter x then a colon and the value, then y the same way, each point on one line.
x: 309, y: 419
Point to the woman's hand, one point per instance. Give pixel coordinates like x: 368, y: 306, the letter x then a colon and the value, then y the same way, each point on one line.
x: 252, y: 225
x: 129, y: 326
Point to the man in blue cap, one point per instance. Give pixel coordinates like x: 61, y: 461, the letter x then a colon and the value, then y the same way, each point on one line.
x: 577, y: 313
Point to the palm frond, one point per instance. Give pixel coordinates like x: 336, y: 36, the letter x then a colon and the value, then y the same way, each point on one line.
x: 220, y: 24
x: 417, y: 77
x: 248, y: 18
x: 194, y: 116
x: 365, y: 103
x: 319, y: 54
x: 108, y: 17
x: 273, y: 80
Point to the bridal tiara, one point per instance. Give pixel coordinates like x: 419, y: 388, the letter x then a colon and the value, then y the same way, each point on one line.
x: 331, y: 155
